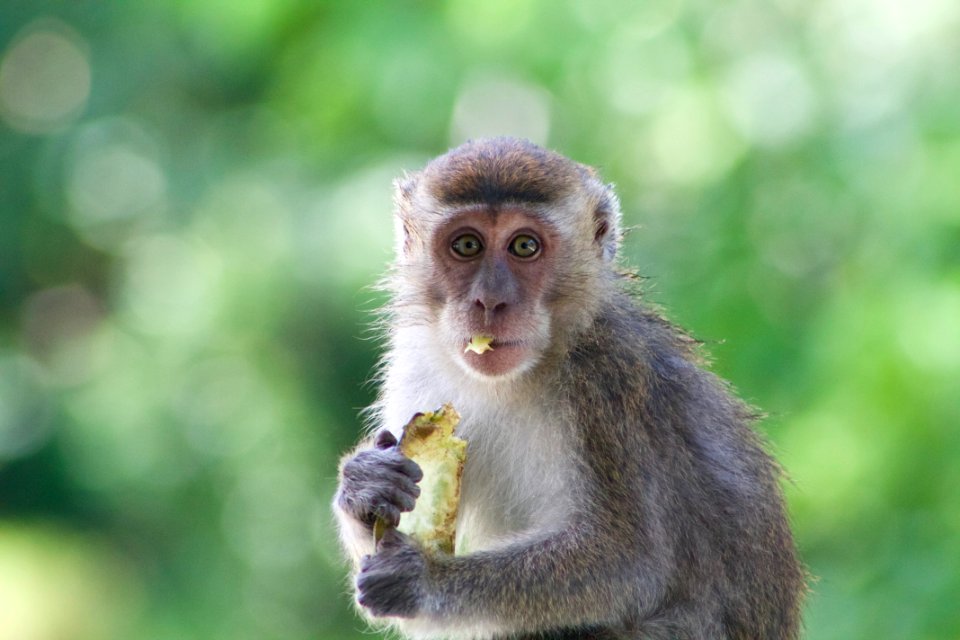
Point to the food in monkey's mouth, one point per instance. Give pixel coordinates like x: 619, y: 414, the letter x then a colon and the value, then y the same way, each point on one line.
x: 429, y: 441
x: 479, y: 344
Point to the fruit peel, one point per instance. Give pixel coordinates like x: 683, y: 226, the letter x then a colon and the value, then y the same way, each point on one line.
x: 428, y: 439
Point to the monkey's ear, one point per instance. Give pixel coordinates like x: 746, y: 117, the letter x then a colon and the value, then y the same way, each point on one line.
x: 403, y: 194
x: 606, y: 220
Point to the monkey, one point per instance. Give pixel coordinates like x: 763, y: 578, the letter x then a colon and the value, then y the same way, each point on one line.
x: 614, y: 487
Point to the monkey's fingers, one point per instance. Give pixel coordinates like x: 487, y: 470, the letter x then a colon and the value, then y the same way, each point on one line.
x: 388, y: 582
x: 402, y: 498
x: 385, y: 439
x: 387, y: 514
x: 391, y: 460
x: 381, y: 464
x: 405, y: 499
x: 408, y: 467
x: 376, y: 592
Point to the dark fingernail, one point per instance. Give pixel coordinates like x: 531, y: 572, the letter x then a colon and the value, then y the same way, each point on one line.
x: 384, y: 440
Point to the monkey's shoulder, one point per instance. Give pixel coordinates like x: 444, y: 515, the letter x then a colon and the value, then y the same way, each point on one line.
x: 630, y: 345
x: 636, y: 370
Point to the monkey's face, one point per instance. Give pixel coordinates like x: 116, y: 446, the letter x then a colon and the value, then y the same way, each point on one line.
x: 492, y: 278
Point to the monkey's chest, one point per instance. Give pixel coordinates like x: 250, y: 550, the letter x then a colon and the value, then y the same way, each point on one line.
x: 512, y: 484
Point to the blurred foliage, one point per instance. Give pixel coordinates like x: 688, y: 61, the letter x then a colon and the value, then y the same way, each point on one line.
x: 195, y: 196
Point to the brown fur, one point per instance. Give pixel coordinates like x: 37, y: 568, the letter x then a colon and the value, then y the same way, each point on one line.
x: 614, y: 489
x: 500, y: 171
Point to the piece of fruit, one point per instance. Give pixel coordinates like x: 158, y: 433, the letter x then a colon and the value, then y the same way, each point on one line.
x: 479, y: 344
x: 428, y: 439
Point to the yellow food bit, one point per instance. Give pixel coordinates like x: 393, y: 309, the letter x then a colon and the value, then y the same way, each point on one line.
x: 479, y: 344
x: 428, y: 439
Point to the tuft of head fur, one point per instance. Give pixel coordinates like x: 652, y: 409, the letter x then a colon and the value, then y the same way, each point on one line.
x: 500, y: 170
x: 493, y: 172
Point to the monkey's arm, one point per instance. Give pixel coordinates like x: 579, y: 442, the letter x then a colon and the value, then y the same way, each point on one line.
x: 376, y: 481
x: 579, y: 576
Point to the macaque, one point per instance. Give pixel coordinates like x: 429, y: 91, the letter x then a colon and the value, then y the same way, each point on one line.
x: 613, y: 487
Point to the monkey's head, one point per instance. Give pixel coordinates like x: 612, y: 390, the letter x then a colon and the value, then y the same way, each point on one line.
x: 502, y: 238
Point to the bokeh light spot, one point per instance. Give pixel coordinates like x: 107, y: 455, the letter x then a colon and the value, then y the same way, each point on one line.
x: 114, y: 173
x: 224, y: 406
x: 60, y: 327
x: 645, y: 19
x: 831, y: 451
x: 690, y: 143
x: 56, y: 585
x: 345, y: 237
x: 44, y: 78
x: 492, y: 105
x: 25, y: 414
x: 928, y: 328
x: 171, y: 285
x: 266, y: 519
x: 491, y: 22
x: 769, y: 100
x: 640, y: 74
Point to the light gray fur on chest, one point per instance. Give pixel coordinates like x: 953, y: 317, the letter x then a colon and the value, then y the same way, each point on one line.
x: 515, y: 479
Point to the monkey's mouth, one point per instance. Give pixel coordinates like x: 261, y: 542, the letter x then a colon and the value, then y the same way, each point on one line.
x: 496, y: 343
x: 502, y: 358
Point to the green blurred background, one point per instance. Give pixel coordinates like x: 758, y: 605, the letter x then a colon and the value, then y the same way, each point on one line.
x: 195, y: 197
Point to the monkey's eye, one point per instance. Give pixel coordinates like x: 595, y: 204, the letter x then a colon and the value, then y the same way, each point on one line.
x: 466, y: 246
x: 524, y: 246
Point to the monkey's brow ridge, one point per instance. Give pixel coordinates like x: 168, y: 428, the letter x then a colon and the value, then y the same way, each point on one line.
x: 493, y: 190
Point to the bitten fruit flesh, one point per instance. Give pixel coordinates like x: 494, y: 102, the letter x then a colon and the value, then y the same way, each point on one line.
x: 479, y: 344
x: 429, y: 441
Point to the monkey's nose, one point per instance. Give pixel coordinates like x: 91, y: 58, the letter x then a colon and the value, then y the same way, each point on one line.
x: 489, y: 307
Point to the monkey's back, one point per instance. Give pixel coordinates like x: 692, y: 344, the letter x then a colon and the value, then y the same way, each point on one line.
x: 660, y: 433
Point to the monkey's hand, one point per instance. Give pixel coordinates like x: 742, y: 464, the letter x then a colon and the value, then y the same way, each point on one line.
x: 391, y: 582
x: 379, y: 483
